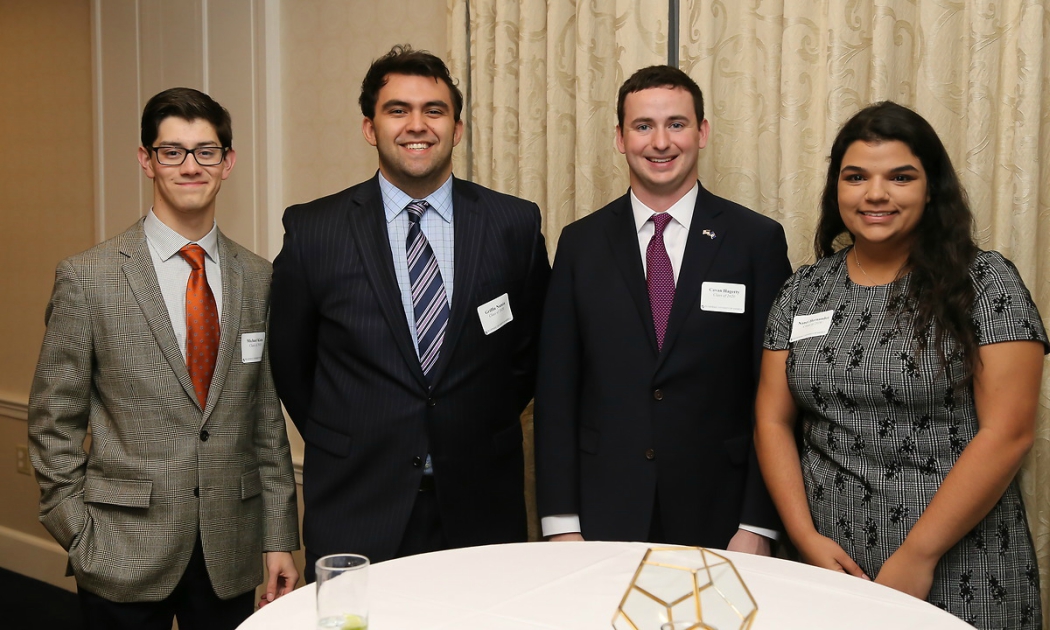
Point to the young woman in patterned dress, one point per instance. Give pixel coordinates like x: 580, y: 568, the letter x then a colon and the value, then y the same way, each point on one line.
x: 908, y: 361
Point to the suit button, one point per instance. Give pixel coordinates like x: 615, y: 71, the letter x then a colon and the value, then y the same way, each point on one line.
x: 650, y: 454
x: 417, y: 461
x: 204, y: 435
x: 196, y: 492
x: 658, y: 394
x: 431, y: 402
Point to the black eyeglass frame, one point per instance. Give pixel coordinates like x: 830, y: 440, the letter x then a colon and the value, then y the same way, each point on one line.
x: 187, y: 152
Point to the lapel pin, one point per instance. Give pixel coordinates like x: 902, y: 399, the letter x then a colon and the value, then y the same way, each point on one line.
x: 709, y: 233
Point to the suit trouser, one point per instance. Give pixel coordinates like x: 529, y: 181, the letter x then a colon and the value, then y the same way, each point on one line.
x: 423, y: 533
x: 193, y: 602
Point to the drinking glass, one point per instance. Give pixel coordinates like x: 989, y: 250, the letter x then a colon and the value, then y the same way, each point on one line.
x: 342, y: 592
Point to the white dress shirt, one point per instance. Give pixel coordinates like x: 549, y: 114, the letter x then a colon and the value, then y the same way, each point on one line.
x: 173, y: 272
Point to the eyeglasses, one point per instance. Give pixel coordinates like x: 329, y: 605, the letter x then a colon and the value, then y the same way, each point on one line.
x: 175, y: 156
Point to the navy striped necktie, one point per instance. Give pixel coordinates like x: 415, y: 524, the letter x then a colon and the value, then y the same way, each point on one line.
x: 429, y: 301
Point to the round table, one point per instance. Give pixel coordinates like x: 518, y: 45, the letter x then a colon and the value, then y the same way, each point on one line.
x: 578, y: 586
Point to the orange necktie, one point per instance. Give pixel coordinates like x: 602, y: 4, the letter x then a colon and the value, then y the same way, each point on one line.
x: 202, y: 324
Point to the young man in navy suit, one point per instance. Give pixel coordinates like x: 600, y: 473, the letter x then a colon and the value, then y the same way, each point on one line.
x: 652, y: 333
x: 404, y: 327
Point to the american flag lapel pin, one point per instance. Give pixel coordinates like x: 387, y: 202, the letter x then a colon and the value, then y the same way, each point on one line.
x: 709, y: 233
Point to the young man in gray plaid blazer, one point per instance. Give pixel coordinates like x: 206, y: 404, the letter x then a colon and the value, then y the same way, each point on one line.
x: 186, y: 483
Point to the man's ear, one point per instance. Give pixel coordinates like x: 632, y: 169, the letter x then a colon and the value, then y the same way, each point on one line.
x: 457, y: 135
x: 705, y: 132
x: 368, y: 130
x: 228, y: 162
x: 619, y: 140
x: 145, y: 162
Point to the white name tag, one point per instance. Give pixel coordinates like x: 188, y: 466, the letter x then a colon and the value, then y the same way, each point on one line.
x: 252, y: 347
x: 722, y: 297
x: 815, y: 325
x: 495, y: 314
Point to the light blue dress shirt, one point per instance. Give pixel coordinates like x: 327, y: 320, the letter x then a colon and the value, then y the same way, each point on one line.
x: 437, y: 226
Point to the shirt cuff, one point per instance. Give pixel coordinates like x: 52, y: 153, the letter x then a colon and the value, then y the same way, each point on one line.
x: 771, y: 534
x: 560, y: 524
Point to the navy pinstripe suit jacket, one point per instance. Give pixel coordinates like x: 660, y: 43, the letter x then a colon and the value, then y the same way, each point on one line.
x: 349, y: 376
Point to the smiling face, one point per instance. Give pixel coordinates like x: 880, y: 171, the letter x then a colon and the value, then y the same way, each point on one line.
x: 882, y: 192
x: 661, y: 139
x: 185, y: 194
x: 414, y: 130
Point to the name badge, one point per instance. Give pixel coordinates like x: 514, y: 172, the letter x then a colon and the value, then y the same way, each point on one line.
x: 495, y: 314
x: 815, y: 325
x: 722, y: 297
x: 252, y: 347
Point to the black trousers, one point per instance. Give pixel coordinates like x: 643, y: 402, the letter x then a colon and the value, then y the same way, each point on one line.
x: 193, y: 602
x: 423, y: 533
x: 656, y: 525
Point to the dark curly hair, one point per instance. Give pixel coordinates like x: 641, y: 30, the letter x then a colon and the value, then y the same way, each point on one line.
x: 940, y: 290
x: 403, y: 60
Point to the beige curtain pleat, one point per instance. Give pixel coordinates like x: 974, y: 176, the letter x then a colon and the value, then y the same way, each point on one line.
x: 779, y: 79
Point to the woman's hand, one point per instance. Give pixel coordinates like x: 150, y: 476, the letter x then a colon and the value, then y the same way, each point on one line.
x: 821, y: 551
x: 907, y: 574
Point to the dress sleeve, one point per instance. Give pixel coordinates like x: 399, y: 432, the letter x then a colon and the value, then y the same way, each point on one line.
x: 1003, y: 309
x: 778, y: 324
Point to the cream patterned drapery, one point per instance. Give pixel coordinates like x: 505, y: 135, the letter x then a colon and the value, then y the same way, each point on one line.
x: 541, y: 80
x: 779, y: 78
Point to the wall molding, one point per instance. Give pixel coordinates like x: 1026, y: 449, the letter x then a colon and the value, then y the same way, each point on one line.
x: 39, y: 558
x: 15, y: 409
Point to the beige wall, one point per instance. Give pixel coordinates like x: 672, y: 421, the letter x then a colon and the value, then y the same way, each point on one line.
x: 46, y: 213
x: 312, y: 56
x: 46, y: 207
x: 327, y: 46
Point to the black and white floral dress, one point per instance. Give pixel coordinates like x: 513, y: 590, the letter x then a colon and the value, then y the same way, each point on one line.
x: 883, y: 422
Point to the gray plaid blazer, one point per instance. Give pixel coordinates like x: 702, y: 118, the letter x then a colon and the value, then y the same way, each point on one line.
x: 157, y: 469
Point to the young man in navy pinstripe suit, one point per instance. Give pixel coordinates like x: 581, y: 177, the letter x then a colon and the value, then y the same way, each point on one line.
x: 403, y: 335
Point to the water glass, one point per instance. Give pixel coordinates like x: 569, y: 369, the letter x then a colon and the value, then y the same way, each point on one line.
x: 342, y: 592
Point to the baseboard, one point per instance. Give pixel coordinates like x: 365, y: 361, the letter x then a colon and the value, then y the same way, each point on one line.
x: 40, y: 559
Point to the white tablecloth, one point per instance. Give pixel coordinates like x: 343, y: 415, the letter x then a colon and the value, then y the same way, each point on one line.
x: 578, y: 586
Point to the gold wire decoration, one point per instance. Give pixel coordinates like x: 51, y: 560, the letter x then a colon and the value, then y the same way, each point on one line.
x: 685, y: 588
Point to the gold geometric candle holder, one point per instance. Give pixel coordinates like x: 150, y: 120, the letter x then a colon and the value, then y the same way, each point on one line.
x: 685, y: 588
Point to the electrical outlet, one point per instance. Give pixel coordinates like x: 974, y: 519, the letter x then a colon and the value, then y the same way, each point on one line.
x: 22, y: 460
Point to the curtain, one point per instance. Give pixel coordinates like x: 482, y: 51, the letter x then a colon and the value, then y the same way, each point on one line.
x: 779, y: 78
x: 540, y: 81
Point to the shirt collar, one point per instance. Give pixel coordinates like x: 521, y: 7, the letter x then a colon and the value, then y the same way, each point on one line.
x: 681, y: 211
x: 167, y: 242
x: 395, y: 200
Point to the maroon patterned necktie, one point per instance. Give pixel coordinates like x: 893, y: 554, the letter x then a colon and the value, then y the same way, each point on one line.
x: 660, y: 277
x: 202, y: 324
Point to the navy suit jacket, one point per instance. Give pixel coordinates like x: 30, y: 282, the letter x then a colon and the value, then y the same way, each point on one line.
x: 348, y: 374
x: 617, y: 420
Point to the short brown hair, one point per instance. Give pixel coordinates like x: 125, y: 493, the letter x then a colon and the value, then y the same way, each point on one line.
x: 187, y: 104
x: 660, y: 76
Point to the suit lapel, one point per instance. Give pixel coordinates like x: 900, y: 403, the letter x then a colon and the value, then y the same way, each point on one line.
x: 367, y: 223
x: 623, y: 240
x: 471, y: 225
x: 700, y: 251
x: 142, y: 278
x: 230, y: 321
